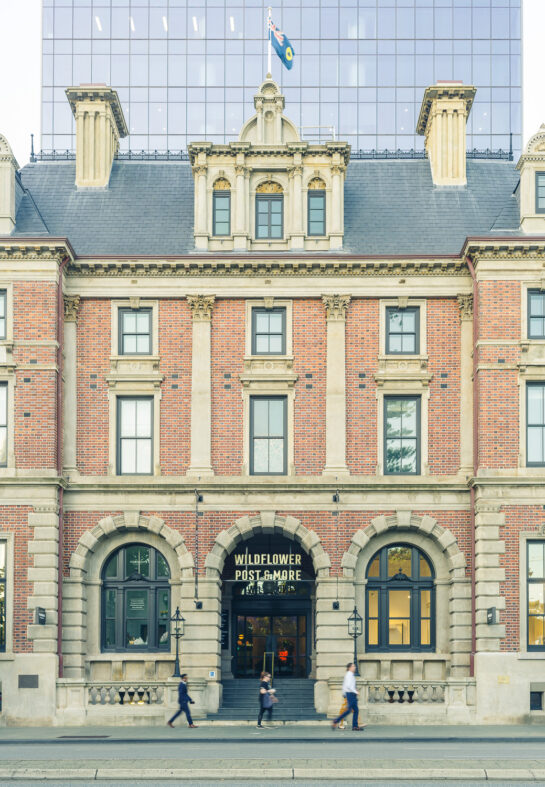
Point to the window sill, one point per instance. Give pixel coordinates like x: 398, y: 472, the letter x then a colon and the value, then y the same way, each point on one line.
x: 150, y: 655
x: 8, y: 656
x: 391, y: 655
x: 532, y: 656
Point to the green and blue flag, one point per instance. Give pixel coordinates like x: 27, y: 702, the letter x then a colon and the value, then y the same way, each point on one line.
x: 281, y: 44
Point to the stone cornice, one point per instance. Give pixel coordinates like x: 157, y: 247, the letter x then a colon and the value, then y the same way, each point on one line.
x: 519, y: 248
x: 99, y: 93
x: 267, y: 265
x: 444, y: 90
x: 36, y: 248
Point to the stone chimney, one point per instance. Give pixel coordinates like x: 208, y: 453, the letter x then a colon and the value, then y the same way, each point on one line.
x: 443, y: 117
x: 8, y: 168
x: 99, y: 126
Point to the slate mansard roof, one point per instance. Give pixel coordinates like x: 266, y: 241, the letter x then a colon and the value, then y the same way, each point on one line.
x: 391, y: 207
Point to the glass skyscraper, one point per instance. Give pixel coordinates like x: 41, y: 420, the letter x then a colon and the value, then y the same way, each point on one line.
x: 188, y: 69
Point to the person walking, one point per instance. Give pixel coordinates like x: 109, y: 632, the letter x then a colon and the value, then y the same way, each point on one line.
x: 266, y: 699
x: 351, y: 693
x: 184, y: 701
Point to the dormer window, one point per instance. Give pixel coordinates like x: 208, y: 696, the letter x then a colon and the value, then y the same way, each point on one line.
x: 316, y: 207
x: 269, y: 211
x: 221, y: 207
x: 540, y: 192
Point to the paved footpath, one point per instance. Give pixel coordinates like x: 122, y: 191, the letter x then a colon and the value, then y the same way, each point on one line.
x: 278, y: 755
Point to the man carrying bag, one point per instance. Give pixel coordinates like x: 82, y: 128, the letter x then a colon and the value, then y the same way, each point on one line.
x: 351, y: 693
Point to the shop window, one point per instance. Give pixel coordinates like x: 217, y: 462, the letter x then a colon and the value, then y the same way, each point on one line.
x: 268, y: 331
x: 535, y: 583
x: 135, y: 331
x: 402, y: 330
x: 268, y: 432
x: 400, y: 593
x: 135, y: 600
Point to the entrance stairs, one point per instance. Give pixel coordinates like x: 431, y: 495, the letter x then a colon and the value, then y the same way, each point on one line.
x: 295, y: 700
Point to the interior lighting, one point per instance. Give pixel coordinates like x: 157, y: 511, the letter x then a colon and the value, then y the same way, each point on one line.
x: 98, y: 23
x: 132, y: 24
x: 195, y: 25
x: 165, y: 24
x: 232, y: 23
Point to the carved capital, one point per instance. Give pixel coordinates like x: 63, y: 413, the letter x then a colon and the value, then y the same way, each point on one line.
x: 465, y: 303
x: 201, y: 307
x: 71, y: 306
x: 336, y: 306
x: 241, y: 170
x: 297, y: 170
x: 338, y: 169
x: 200, y: 169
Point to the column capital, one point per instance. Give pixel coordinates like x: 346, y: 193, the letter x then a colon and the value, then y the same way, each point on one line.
x: 201, y: 307
x: 71, y: 306
x: 465, y: 303
x: 200, y: 169
x: 338, y: 169
x: 336, y: 306
x: 295, y: 170
x: 242, y: 170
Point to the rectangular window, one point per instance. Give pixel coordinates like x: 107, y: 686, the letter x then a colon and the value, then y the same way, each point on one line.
x: 269, y: 222
x: 540, y: 192
x: 268, y: 331
x: 2, y: 596
x: 402, y: 330
x: 135, y: 331
x: 536, y: 314
x: 3, y: 424
x: 316, y: 212
x: 535, y: 424
x: 221, y: 213
x: 268, y: 432
x: 3, y: 316
x: 536, y: 595
x: 135, y: 440
x: 402, y: 435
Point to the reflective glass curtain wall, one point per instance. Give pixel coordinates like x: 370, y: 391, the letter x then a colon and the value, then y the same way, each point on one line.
x: 188, y: 69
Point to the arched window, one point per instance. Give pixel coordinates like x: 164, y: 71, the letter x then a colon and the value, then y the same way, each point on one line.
x: 316, y: 207
x: 269, y: 211
x: 400, y: 608
x: 135, y: 600
x: 221, y: 207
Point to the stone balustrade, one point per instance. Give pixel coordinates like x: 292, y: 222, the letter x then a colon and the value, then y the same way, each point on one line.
x: 126, y: 694
x: 406, y: 691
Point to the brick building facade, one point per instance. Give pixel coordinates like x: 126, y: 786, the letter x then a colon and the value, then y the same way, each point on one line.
x: 269, y: 387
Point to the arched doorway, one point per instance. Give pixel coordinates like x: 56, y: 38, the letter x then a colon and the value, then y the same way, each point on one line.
x: 268, y: 598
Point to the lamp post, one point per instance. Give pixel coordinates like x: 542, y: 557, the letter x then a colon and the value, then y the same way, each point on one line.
x: 355, y: 630
x: 178, y: 621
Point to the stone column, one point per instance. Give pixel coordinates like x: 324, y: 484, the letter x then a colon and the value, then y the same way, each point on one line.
x: 241, y: 223
x: 201, y: 220
x: 297, y: 232
x: 70, y: 398
x: 336, y: 306
x: 201, y: 386
x: 465, y: 303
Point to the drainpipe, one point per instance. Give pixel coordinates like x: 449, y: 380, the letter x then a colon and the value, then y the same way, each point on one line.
x: 58, y: 453
x: 475, y: 464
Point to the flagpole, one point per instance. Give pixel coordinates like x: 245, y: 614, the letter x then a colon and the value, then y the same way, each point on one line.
x: 269, y: 51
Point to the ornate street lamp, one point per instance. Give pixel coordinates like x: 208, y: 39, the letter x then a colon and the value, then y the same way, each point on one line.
x: 177, y: 631
x: 355, y: 630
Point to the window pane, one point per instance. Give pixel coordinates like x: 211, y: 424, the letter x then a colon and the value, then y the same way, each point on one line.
x: 535, y: 598
x: 373, y: 632
x: 399, y: 632
x: 111, y: 603
x: 408, y: 344
x: 143, y: 322
x: 408, y: 456
x: 393, y: 456
x: 373, y: 603
x: 425, y: 570
x: 408, y: 319
x: 400, y: 603
x: 276, y: 417
x: 395, y: 343
x: 409, y: 417
x: 2, y: 304
x: 536, y: 631
x: 535, y: 404
x: 535, y: 444
x: 537, y: 304
x: 143, y: 344
x: 425, y: 603
x: 275, y: 323
x: 535, y: 560
x: 425, y: 632
x: 261, y: 456
x: 394, y: 321
x: 394, y: 408
x: 275, y: 344
x: 3, y: 445
x: 374, y: 568
x: 399, y: 559
x: 262, y: 344
x: 163, y: 614
x: 128, y: 417
x: 143, y: 459
x: 137, y: 559
x: 261, y: 417
x: 111, y: 567
x: 137, y: 632
x: 537, y: 328
x: 143, y: 418
x: 137, y: 604
x: 162, y: 566
x: 262, y: 322
x: 129, y: 322
x: 128, y: 456
x: 129, y: 344
x: 276, y: 456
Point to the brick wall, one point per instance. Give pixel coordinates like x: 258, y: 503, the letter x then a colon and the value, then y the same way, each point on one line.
x: 15, y: 521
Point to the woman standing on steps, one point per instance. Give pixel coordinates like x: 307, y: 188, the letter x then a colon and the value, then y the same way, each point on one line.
x: 266, y: 699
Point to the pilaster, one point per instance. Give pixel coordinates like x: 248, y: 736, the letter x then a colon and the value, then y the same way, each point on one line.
x: 488, y: 573
x: 336, y: 306
x: 43, y: 575
x: 465, y: 303
x: 70, y: 422
x: 201, y: 385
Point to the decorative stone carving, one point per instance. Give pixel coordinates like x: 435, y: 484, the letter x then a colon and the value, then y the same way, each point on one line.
x: 201, y: 307
x: 71, y: 306
x: 200, y: 169
x: 465, y: 302
x: 336, y: 306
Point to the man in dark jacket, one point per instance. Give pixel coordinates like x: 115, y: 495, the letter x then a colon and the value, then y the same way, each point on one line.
x: 184, y: 700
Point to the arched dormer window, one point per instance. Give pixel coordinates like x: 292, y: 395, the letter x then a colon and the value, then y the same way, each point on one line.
x: 400, y: 608
x: 221, y: 207
x: 269, y: 211
x: 316, y: 207
x: 135, y: 600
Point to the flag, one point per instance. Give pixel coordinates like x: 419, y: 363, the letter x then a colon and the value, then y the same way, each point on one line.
x: 281, y: 44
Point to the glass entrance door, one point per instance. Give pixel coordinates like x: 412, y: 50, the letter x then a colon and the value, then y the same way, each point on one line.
x: 264, y: 639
